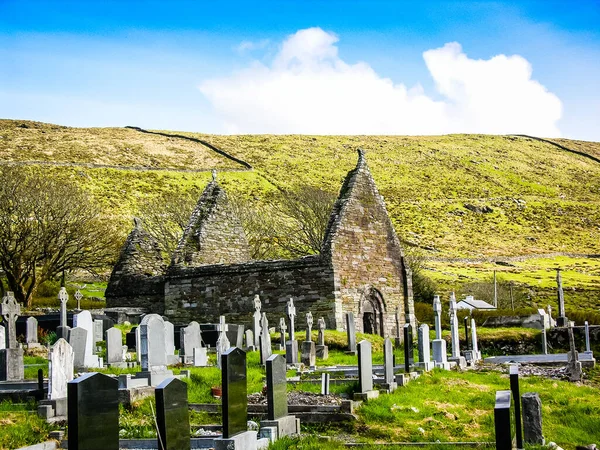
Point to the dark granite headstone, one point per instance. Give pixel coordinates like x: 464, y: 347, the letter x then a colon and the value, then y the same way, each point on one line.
x: 93, y: 412
x: 234, y: 402
x: 130, y: 339
x: 532, y: 418
x: 172, y: 415
x: 409, y: 356
x: 502, y: 421
x: 351, y: 331
x: 276, y: 387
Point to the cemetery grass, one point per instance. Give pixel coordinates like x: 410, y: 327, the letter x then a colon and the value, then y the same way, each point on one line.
x: 21, y: 426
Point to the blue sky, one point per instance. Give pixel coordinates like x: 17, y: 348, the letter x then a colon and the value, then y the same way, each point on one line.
x: 305, y: 67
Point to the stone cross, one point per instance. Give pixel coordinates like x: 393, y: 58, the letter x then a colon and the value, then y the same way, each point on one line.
x: 454, y: 327
x: 587, y: 337
x: 223, y: 343
x: 321, y: 327
x: 282, y: 329
x: 309, y: 324
x: 437, y: 309
x: 256, y: 316
x: 63, y: 296
x: 291, y: 312
x: 78, y: 297
x: 10, y: 310
x: 265, y: 339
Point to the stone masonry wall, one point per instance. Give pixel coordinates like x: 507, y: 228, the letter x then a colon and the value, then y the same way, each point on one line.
x: 365, y: 253
x: 204, y: 293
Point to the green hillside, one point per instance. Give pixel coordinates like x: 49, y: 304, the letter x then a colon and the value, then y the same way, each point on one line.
x: 457, y: 196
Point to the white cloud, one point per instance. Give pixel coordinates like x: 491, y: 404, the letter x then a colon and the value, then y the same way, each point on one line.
x: 248, y: 46
x: 309, y: 89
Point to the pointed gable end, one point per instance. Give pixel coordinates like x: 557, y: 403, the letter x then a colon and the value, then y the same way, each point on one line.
x: 214, y: 234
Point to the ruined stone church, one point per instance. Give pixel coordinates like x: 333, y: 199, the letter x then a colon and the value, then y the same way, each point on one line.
x: 361, y: 268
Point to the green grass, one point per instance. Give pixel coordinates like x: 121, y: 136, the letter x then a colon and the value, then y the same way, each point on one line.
x: 21, y: 426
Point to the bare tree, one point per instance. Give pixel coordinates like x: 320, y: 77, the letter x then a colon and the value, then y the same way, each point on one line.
x: 48, y: 227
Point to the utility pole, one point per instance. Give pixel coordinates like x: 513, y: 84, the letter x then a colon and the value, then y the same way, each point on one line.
x: 512, y: 300
x: 495, y: 291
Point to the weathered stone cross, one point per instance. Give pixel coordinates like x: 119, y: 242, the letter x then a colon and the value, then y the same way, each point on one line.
x: 222, y: 326
x: 309, y: 324
x: 257, y: 304
x: 264, y: 325
x: 10, y: 310
x: 78, y: 297
x: 63, y: 296
x: 282, y: 329
x: 321, y: 327
x: 291, y: 312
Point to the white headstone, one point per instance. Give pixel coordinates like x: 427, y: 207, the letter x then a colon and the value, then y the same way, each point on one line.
x: 222, y: 342
x: 77, y: 340
x: 98, y: 331
x: 190, y: 337
x: 152, y: 343
x: 84, y: 320
x: 2, y: 337
x: 60, y: 369
x: 138, y: 345
x: 437, y: 309
x: 475, y: 345
x: 256, y: 320
x: 454, y: 327
x: 31, y: 336
x: 169, y: 338
x: 423, y: 344
x: 114, y: 346
x: 200, y: 357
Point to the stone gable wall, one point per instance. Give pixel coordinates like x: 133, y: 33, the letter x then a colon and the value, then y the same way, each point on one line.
x: 214, y: 234
x: 204, y: 293
x: 365, y: 253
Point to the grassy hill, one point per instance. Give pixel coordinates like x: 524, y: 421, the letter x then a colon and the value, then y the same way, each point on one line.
x: 478, y: 197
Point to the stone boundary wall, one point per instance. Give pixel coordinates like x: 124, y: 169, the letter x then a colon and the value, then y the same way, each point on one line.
x: 206, y: 292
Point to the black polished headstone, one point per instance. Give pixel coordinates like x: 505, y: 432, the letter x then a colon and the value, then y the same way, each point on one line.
x: 234, y: 403
x: 130, y: 339
x: 93, y: 412
x: 409, y: 355
x: 502, y: 428
x: 276, y: 387
x: 172, y: 415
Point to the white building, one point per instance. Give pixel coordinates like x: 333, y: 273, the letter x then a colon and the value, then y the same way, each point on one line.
x: 470, y: 303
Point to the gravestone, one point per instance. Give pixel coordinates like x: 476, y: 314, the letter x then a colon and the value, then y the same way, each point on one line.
x: 265, y: 340
x: 440, y: 356
x: 172, y: 415
x: 249, y: 341
x: 200, y: 357
x: 309, y: 351
x: 78, y: 296
x: 291, y: 346
x: 321, y: 349
x: 77, y: 341
x: 60, y: 372
x: 365, y: 373
x: 456, y: 357
x: 474, y: 342
x: 588, y: 348
x: 257, y: 316
x: 98, y: 331
x: 172, y: 358
x: 277, y: 408
x: 223, y: 343
x: 282, y: 330
x: 234, y: 402
x: 31, y: 333
x: 544, y: 342
x: 138, y: 344
x: 389, y: 379
x: 325, y: 383
x: 114, y: 347
x: 2, y: 337
x: 574, y: 370
x: 561, y: 320
x: 409, y: 350
x: 190, y: 337
x: 351, y: 332
x: 84, y: 320
x: 63, y: 329
x: 152, y: 350
x: 423, y: 348
x: 503, y: 431
x: 532, y: 418
x: 93, y: 412
x: 11, y: 358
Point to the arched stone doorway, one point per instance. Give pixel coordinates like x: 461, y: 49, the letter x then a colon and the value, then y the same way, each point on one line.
x: 372, y: 312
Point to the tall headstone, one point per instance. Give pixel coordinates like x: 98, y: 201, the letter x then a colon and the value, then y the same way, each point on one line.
x: 152, y: 350
x: 2, y: 337
x: 588, y: 348
x: 282, y: 330
x: 98, y: 331
x: 234, y: 402
x: 257, y: 316
x: 351, y: 332
x: 265, y: 340
x: 31, y: 332
x: 474, y: 342
x: 84, y: 320
x: 574, y: 369
x: 93, y: 412
x: 10, y: 311
x: 502, y: 425
x: 170, y: 343
x: 309, y: 324
x: 561, y: 320
x: 321, y: 349
x: 172, y: 415
x: 544, y: 342
x: 63, y: 329
x: 440, y: 357
x: 456, y: 357
x: 77, y: 340
x: 532, y: 418
x: 291, y: 346
x: 277, y: 408
x: 114, y: 347
x: 223, y: 343
x: 60, y: 369
x: 138, y: 344
x: 409, y: 351
x: 389, y: 379
x: 190, y: 337
x: 249, y: 340
x: 11, y: 358
x: 423, y: 348
x: 365, y: 372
